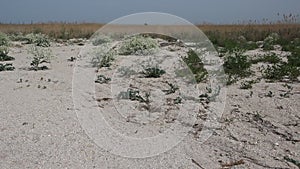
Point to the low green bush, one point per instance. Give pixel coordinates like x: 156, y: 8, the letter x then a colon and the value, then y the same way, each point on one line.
x: 237, y: 66
x: 100, y: 39
x: 281, y: 71
x: 6, y: 67
x: 153, y: 72
x: 267, y: 58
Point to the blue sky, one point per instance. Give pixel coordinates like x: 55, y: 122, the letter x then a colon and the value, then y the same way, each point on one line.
x: 195, y: 11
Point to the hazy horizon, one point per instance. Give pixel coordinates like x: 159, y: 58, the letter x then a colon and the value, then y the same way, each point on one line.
x: 195, y: 11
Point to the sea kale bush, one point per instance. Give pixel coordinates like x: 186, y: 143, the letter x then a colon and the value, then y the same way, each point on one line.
x: 270, y: 41
x: 37, y: 39
x: 102, y: 79
x: 4, y: 54
x: 153, y: 72
x: 6, y: 67
x: 40, y: 55
x: 103, y: 58
x: 4, y: 40
x: 134, y: 95
x: 138, y: 45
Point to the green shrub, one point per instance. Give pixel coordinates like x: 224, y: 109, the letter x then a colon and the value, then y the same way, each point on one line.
x: 232, y: 44
x: 4, y: 54
x: 280, y: 70
x: 294, y: 58
x: 291, y: 46
x: 138, y: 45
x: 6, y: 67
x: 40, y: 55
x: 196, y: 66
x: 236, y: 66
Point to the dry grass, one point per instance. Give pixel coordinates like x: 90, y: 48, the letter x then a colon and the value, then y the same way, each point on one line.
x: 54, y: 30
x: 214, y: 32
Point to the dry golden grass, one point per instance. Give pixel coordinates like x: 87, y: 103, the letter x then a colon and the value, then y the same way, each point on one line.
x: 55, y: 30
x: 85, y: 30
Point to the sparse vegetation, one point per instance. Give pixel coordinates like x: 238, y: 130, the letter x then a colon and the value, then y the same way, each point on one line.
x: 291, y: 160
x: 173, y: 88
x: 247, y: 84
x: 269, y: 94
x: 177, y: 100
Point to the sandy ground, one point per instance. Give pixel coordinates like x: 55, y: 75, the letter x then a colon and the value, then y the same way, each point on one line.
x: 39, y: 127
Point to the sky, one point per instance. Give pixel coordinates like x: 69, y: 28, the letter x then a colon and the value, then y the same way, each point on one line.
x: 100, y: 11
